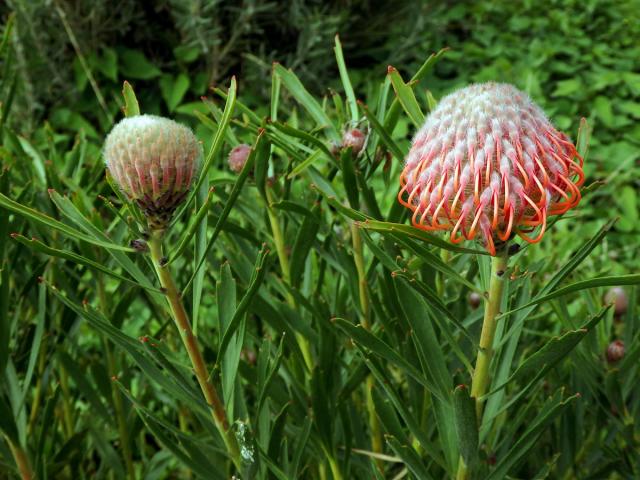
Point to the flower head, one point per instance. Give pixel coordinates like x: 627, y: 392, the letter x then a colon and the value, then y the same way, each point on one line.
x: 488, y: 161
x: 154, y: 161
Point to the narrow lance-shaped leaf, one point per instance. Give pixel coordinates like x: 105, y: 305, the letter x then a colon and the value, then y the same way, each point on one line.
x: 406, y: 97
x: 295, y: 87
x: 131, y: 107
x: 464, y: 408
x: 235, y: 192
x: 41, y: 218
x: 346, y: 82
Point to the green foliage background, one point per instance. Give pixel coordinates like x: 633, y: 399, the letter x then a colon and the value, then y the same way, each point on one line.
x: 62, y: 74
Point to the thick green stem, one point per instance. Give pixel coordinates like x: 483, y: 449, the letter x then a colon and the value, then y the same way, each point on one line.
x: 22, y: 461
x: 365, y: 321
x: 480, y: 380
x: 283, y: 258
x: 191, y: 344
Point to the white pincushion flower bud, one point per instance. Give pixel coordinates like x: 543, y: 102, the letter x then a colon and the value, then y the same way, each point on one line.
x: 488, y: 160
x: 154, y: 160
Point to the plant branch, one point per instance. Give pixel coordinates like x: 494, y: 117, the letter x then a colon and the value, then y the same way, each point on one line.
x: 191, y: 344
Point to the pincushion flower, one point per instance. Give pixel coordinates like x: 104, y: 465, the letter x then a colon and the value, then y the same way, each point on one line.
x: 154, y: 161
x: 488, y: 161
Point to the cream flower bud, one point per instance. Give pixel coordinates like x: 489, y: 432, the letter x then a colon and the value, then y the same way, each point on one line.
x: 154, y: 160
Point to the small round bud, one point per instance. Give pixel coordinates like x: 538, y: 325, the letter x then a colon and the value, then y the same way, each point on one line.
x: 615, y: 351
x: 238, y: 157
x: 618, y: 297
x: 355, y: 139
x: 154, y: 160
x: 475, y: 299
x: 139, y: 245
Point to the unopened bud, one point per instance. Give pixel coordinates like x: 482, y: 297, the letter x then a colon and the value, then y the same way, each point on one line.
x: 615, y: 351
x: 154, y: 160
x: 355, y: 139
x: 474, y: 300
x: 139, y: 245
x: 618, y: 297
x: 238, y: 157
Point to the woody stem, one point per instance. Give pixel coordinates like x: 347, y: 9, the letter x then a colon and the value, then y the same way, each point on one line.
x: 190, y: 342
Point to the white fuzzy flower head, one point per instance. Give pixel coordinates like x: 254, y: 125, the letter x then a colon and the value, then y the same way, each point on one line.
x: 488, y: 160
x: 154, y: 161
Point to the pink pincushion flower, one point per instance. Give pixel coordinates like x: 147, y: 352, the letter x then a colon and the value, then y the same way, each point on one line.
x: 488, y: 160
x: 154, y: 160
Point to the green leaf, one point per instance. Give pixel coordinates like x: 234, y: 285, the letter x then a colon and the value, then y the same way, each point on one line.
x: 131, y: 107
x: 134, y: 64
x: 38, y: 246
x: 349, y: 177
x: 235, y: 192
x: 365, y: 338
x: 173, y: 89
x: 294, y: 132
x: 190, y: 450
x: 257, y: 277
x: 42, y: 219
x: 346, y: 82
x: 464, y: 408
x: 218, y: 138
x: 302, y: 245
x: 186, y: 237
x: 406, y: 97
x: 385, y: 136
x: 554, y: 350
x: 295, y: 87
x: 616, y: 280
x: 409, y: 456
x: 569, y: 267
x: 412, y: 232
x: 526, y: 441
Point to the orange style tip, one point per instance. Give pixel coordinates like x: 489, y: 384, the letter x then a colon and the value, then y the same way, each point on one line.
x: 462, y: 386
x: 578, y: 395
x: 261, y: 131
x: 85, y: 302
x: 391, y: 69
x: 14, y: 235
x: 114, y: 378
x: 51, y: 191
x: 40, y: 279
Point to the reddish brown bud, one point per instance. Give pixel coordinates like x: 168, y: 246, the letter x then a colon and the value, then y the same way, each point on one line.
x: 615, y: 351
x: 475, y: 299
x: 238, y: 157
x: 618, y: 297
x: 355, y: 139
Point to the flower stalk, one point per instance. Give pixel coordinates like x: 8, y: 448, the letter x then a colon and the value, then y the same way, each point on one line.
x: 480, y: 380
x: 190, y: 342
